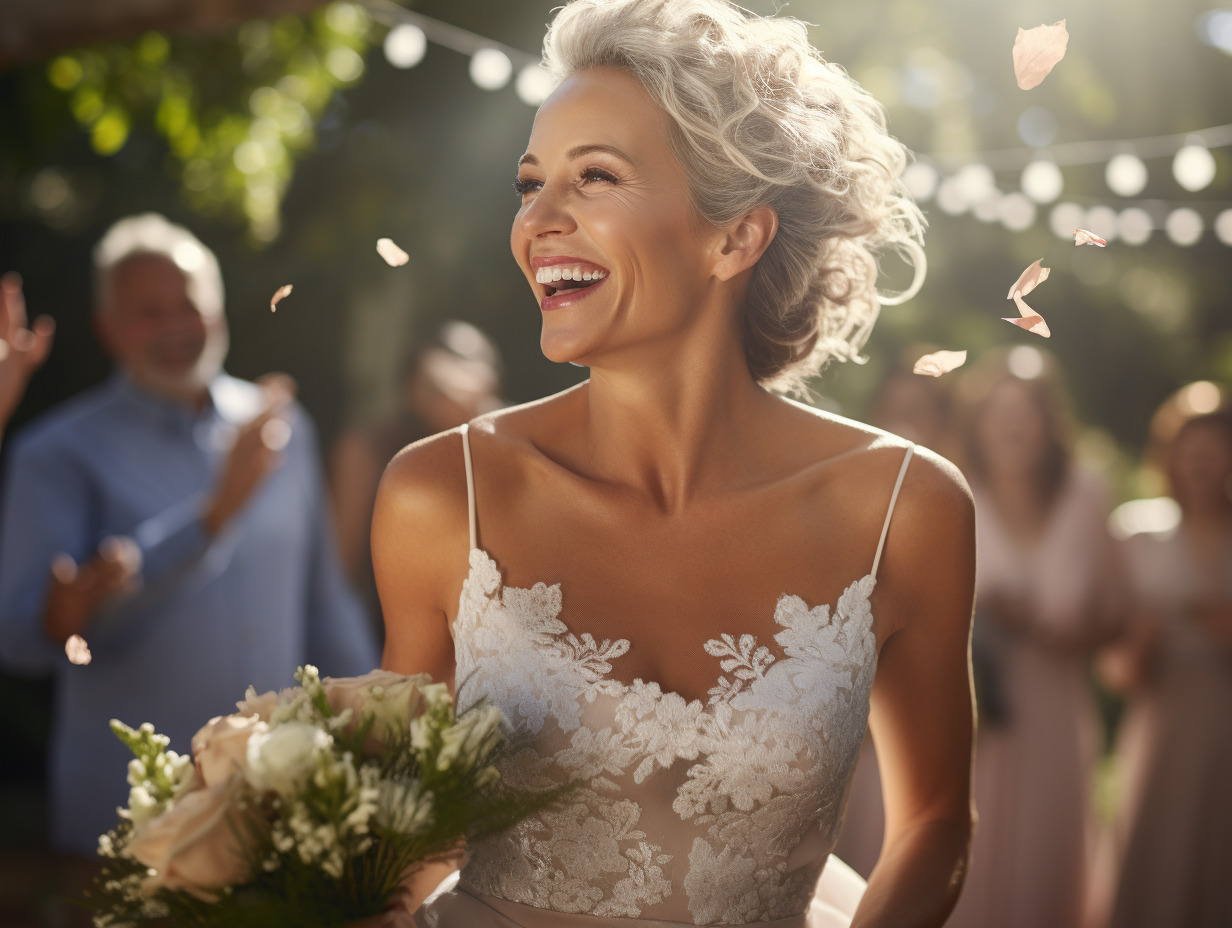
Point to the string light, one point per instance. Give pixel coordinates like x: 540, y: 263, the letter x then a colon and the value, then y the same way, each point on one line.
x: 1126, y: 175
x: 533, y: 84
x: 1042, y: 181
x: 1184, y: 226
x: 1103, y: 221
x: 1134, y: 226
x: 1223, y: 227
x: 490, y: 68
x: 1194, y: 167
x: 405, y: 45
x: 1065, y: 218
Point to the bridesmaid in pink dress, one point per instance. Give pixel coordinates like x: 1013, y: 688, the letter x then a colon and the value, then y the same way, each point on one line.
x: 1173, y: 835
x: 1047, y: 596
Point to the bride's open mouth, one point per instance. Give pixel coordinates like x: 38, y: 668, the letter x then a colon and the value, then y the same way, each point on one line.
x: 566, y: 283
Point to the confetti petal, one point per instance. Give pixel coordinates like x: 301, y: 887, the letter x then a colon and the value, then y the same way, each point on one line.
x: 1083, y: 237
x: 1037, y: 51
x: 77, y: 650
x: 939, y: 362
x: 1030, y: 320
x: 279, y: 294
x: 1031, y: 278
x: 393, y: 255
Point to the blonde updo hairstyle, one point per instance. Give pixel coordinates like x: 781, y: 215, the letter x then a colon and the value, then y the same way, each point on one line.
x: 759, y: 118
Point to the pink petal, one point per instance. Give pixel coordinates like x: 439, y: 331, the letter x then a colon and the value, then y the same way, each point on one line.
x: 393, y: 255
x: 1033, y: 324
x: 1083, y: 237
x: 1037, y: 51
x: 279, y: 294
x: 939, y: 362
x: 1029, y: 279
x: 77, y: 650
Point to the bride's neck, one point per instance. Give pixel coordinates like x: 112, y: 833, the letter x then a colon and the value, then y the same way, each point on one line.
x: 673, y: 427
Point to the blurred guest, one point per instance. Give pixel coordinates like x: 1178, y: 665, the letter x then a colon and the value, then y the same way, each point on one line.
x: 1173, y: 827
x: 919, y: 409
x: 446, y: 380
x: 173, y: 516
x: 1049, y: 592
x: 22, y: 350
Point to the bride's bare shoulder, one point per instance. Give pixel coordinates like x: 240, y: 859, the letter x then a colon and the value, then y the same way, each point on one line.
x: 428, y: 478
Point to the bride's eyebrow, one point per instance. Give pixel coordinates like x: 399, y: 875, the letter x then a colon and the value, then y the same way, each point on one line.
x: 580, y: 151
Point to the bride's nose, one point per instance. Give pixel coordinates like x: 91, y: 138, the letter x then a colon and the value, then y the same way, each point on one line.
x: 547, y: 213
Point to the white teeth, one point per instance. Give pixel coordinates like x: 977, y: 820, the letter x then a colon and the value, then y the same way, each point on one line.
x: 548, y: 275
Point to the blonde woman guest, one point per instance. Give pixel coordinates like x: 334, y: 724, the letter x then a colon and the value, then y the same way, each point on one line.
x: 1173, y: 826
x: 1048, y: 593
x: 676, y: 588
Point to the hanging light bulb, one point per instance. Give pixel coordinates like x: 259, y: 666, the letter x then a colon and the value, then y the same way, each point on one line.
x: 405, y: 45
x: 1134, y: 226
x: 920, y: 179
x: 1042, y: 181
x: 976, y: 181
x: 1126, y: 175
x: 1065, y: 218
x: 491, y: 68
x: 1184, y: 226
x: 1194, y: 167
x: 1016, y: 212
x: 1223, y: 226
x: 533, y: 85
x: 1101, y: 220
x: 950, y: 197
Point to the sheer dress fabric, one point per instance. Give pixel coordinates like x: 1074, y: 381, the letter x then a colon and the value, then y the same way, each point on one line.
x: 715, y: 812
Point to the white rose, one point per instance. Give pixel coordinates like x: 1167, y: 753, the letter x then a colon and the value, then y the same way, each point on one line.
x: 283, y: 758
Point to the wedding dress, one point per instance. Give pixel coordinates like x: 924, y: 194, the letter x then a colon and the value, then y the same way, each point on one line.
x: 721, y: 813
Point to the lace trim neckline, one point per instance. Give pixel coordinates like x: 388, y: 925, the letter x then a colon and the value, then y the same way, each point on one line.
x: 480, y: 557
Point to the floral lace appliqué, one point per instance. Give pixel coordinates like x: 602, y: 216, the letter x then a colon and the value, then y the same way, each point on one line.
x: 718, y: 813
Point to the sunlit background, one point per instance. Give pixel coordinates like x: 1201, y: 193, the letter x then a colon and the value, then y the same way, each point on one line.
x: 290, y: 144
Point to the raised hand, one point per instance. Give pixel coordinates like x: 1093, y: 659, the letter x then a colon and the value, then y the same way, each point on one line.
x: 22, y: 350
x: 256, y: 454
x: 76, y: 591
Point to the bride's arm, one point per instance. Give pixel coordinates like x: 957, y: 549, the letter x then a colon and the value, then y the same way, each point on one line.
x: 922, y: 716
x: 420, y: 544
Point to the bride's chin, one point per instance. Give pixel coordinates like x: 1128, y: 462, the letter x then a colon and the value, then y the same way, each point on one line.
x: 563, y: 348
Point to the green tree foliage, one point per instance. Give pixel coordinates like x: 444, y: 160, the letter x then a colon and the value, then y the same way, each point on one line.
x: 234, y: 110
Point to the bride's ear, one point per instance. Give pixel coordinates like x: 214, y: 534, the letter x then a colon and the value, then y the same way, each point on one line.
x: 744, y: 241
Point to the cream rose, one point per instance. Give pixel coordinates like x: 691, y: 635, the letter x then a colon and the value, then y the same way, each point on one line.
x: 392, y: 699
x: 194, y: 846
x: 220, y: 748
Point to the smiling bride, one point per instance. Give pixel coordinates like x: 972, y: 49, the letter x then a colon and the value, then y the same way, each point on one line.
x: 683, y: 590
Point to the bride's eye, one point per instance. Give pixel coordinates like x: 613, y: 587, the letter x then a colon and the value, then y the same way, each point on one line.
x: 523, y: 187
x: 593, y: 174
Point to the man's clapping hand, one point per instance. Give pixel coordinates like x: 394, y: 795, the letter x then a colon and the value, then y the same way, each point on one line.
x: 77, y: 590
x: 256, y: 454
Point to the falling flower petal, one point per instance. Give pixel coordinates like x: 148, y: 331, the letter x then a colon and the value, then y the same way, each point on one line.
x: 1083, y: 237
x: 1031, y: 278
x: 77, y: 650
x: 939, y: 362
x: 393, y: 255
x: 279, y: 295
x: 1033, y: 324
x: 1037, y: 51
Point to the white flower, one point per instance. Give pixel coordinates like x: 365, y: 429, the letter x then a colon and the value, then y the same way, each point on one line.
x: 472, y: 738
x: 402, y: 806
x: 142, y: 806
x: 285, y: 757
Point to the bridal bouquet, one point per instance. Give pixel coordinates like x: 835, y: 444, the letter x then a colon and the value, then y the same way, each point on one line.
x: 304, y: 808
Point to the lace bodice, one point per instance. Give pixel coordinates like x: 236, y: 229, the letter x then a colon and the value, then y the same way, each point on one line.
x: 719, y: 812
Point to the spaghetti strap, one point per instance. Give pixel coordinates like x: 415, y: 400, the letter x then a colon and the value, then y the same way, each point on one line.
x: 470, y: 485
x: 898, y: 485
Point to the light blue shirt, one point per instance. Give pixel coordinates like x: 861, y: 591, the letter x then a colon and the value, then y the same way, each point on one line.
x: 209, y: 618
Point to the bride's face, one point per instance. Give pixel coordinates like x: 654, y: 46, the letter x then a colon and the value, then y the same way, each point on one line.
x: 604, y: 199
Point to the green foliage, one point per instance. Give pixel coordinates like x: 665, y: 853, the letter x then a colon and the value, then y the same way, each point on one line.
x: 235, y: 110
